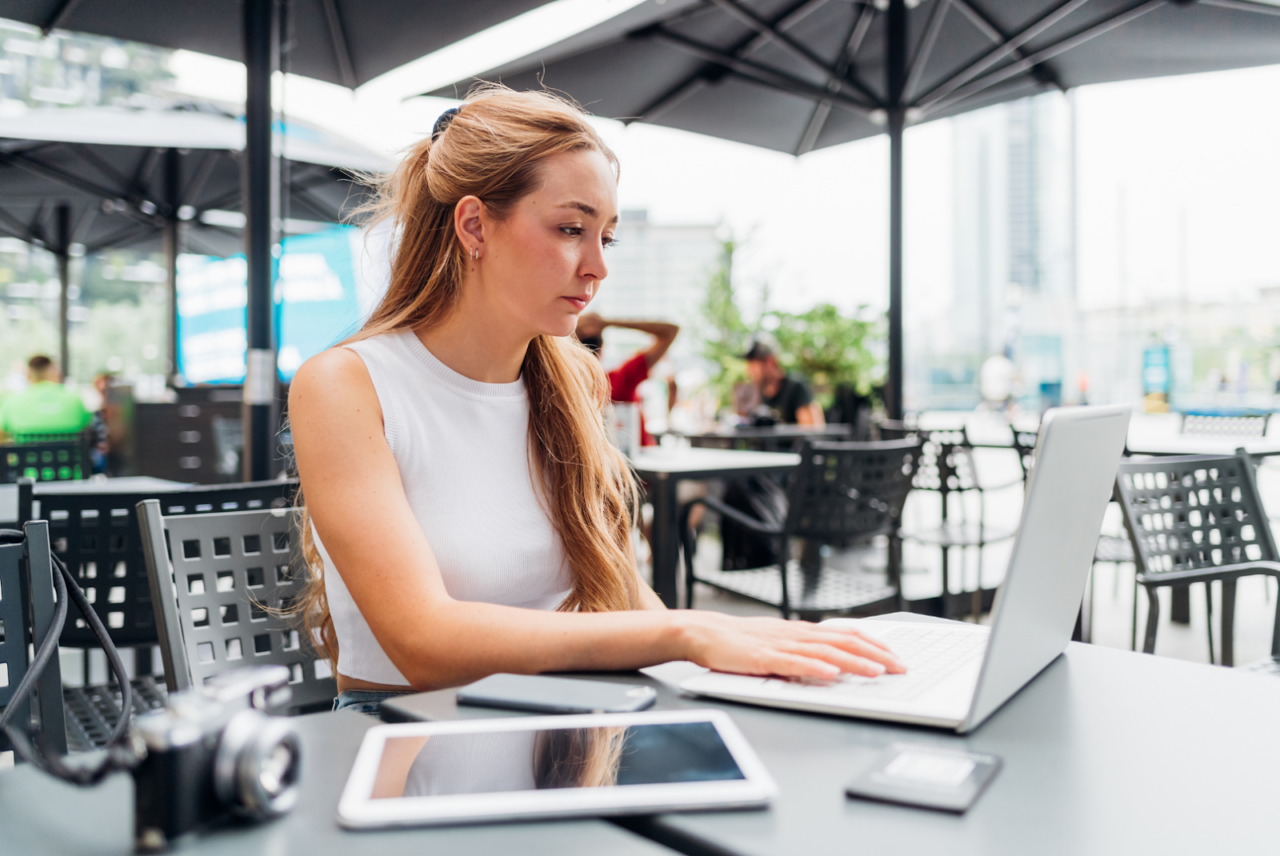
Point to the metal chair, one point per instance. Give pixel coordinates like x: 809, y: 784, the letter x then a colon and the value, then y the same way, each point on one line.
x: 95, y: 531
x: 1197, y: 519
x: 947, y: 468
x: 222, y: 584
x: 46, y: 457
x: 841, y: 494
x: 1225, y: 424
x: 26, y: 616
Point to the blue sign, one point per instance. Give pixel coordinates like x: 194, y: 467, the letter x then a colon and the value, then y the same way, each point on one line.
x: 1156, y: 377
x: 315, y: 298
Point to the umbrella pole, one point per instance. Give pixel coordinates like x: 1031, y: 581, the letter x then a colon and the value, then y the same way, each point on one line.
x: 62, y: 223
x: 896, y: 52
x: 172, y: 189
x: 261, y: 207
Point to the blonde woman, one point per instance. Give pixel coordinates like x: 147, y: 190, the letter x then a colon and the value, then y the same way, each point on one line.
x: 467, y: 514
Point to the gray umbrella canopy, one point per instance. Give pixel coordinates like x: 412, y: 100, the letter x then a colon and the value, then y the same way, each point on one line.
x: 105, y: 177
x: 111, y: 167
x: 347, y: 42
x: 798, y: 75
x: 342, y: 41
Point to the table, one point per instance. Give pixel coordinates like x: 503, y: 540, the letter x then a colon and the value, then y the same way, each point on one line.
x: 766, y: 439
x: 663, y: 469
x: 131, y: 484
x: 1088, y: 768
x: 40, y: 815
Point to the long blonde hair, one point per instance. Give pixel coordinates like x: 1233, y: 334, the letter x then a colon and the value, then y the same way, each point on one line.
x: 492, y: 149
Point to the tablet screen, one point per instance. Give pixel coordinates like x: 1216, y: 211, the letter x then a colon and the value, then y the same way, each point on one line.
x: 526, y: 760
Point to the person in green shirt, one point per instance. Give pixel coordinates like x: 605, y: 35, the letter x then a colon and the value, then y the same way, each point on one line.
x: 46, y: 407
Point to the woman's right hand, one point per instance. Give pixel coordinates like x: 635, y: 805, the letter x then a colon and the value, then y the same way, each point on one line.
x: 773, y: 646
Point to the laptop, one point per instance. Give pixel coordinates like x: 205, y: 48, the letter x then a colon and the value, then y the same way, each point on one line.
x: 960, y: 674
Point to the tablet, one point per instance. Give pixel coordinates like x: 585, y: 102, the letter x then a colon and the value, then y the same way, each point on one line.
x: 471, y: 771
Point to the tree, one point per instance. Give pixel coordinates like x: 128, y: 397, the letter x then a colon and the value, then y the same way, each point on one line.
x: 827, y: 347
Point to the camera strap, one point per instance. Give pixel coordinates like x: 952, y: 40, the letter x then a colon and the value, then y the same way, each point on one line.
x: 120, y: 753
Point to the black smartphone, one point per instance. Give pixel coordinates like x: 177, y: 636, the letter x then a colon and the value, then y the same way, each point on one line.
x: 543, y: 694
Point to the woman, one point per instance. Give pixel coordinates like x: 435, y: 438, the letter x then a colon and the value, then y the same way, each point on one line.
x: 469, y: 514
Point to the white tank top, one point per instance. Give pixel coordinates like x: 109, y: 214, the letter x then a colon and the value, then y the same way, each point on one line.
x: 462, y: 448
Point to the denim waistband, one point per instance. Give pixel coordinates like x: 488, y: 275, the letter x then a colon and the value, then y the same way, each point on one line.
x: 365, y: 701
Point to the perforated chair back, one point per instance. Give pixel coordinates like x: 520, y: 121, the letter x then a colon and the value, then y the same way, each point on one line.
x: 222, y: 583
x: 1024, y: 443
x: 850, y: 491
x: 62, y: 457
x: 1194, y: 516
x: 26, y: 616
x: 946, y: 462
x: 96, y: 533
x: 1220, y: 425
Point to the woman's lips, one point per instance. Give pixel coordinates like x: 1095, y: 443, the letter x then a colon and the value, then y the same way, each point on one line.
x: 579, y: 303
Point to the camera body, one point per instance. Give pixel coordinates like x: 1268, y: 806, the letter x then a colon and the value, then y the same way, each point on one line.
x: 214, y: 753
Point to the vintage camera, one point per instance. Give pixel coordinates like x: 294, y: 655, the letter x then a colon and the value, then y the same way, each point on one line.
x: 214, y: 753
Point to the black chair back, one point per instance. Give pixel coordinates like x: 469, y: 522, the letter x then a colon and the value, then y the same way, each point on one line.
x: 848, y: 492
x: 1221, y: 425
x: 46, y: 457
x: 1192, y: 515
x: 26, y: 616
x: 97, y: 535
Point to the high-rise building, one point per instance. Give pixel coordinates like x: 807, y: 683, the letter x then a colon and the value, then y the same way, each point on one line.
x: 1013, y: 289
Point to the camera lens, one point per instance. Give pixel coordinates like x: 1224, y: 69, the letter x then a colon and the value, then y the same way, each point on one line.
x: 255, y: 772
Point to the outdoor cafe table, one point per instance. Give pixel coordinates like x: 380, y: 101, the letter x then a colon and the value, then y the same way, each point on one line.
x: 40, y: 815
x: 664, y: 468
x: 1106, y: 752
x: 772, y: 438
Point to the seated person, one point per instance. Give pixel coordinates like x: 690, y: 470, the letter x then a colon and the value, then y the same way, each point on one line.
x: 465, y: 513
x: 787, y: 396
x: 626, y: 378
x: 45, y: 407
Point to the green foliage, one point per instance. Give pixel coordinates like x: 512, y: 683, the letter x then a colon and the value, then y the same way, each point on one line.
x: 828, y: 348
x: 725, y: 336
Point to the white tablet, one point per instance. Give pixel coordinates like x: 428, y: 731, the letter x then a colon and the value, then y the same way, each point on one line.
x: 468, y: 771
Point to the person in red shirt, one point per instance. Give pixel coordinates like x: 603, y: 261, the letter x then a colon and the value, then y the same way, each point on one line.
x: 624, y: 380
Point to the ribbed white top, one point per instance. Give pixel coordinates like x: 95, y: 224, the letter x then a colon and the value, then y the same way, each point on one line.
x: 462, y: 448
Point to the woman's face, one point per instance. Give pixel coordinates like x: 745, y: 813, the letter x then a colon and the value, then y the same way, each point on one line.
x: 540, y: 267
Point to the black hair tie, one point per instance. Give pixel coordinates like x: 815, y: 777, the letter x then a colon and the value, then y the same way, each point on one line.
x: 442, y: 124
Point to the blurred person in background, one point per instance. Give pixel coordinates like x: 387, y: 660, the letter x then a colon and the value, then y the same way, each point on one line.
x: 626, y: 378
x: 45, y: 407
x: 787, y: 396
x: 98, y: 427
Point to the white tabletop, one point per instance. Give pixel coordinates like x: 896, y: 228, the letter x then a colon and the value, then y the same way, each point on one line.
x: 683, y: 461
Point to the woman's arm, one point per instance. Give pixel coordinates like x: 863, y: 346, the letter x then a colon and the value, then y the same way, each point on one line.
x: 358, y: 505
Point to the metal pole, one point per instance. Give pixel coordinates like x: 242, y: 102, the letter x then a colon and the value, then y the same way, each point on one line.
x: 62, y: 226
x: 172, y: 199
x: 896, y: 77
x: 261, y: 207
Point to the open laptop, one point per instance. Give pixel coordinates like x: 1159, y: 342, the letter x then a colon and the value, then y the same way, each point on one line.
x: 960, y: 674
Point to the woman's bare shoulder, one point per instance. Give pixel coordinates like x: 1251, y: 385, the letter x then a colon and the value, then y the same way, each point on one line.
x: 335, y: 375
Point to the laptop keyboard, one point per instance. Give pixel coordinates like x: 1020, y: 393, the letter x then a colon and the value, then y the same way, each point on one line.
x: 931, y: 654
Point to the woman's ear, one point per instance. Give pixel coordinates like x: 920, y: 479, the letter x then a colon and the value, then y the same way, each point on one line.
x: 468, y: 222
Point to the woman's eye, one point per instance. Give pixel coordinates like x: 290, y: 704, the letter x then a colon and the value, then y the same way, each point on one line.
x: 572, y: 231
x: 609, y: 243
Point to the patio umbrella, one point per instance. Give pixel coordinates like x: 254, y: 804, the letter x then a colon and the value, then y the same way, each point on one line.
x: 107, y: 177
x: 799, y: 75
x: 341, y: 41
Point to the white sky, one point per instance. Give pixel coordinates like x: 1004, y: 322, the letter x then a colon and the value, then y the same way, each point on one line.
x: 1205, y: 145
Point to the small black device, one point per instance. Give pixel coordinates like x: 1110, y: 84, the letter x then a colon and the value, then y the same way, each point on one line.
x: 214, y: 752
x: 926, y: 776
x: 543, y: 694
